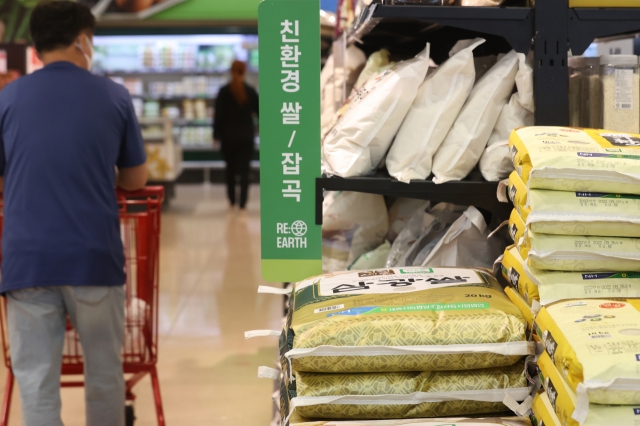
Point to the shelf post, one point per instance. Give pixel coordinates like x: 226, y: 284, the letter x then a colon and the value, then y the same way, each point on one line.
x: 551, y: 77
x: 319, y: 200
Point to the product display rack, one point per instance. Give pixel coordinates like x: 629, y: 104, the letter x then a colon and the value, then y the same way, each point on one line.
x: 474, y: 190
x: 551, y: 28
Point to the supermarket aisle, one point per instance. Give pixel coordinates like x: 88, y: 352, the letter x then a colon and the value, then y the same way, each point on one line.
x: 210, y: 270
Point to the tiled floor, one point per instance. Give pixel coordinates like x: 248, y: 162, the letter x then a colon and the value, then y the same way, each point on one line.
x: 210, y: 270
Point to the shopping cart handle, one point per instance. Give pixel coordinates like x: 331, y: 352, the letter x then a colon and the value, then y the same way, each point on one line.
x: 155, y: 192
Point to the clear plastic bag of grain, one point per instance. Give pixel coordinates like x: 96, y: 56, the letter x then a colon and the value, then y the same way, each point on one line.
x: 620, y: 93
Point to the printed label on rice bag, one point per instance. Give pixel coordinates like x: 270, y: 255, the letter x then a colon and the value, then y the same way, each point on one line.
x: 605, y: 335
x: 386, y: 281
x: 560, y: 285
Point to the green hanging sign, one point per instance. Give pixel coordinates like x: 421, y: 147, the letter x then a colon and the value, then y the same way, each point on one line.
x: 289, y: 38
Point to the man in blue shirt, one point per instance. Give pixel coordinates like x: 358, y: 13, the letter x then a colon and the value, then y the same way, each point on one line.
x: 67, y: 139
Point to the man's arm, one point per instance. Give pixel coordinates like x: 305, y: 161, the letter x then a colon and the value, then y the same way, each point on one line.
x: 132, y: 178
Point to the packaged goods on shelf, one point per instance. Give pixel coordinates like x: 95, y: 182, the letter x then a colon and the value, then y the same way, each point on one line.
x: 463, y: 146
x: 620, y: 93
x: 579, y: 213
x: 377, y: 61
x: 448, y: 421
x: 402, y: 319
x: 435, y: 108
x: 563, y: 401
x: 602, y: 369
x: 400, y: 213
x: 517, y: 226
x: 546, y: 286
x: 481, y: 2
x: 542, y: 412
x: 152, y: 109
x: 373, y: 259
x: 465, y: 243
x: 580, y: 253
x: 421, y: 234
x: 334, y: 79
x: 353, y: 224
x: 357, y: 144
x: 585, y: 92
x: 525, y: 309
x: 426, y: 2
x: 409, y: 394
x: 567, y: 159
x: 495, y: 163
x: 513, y: 270
x: 557, y: 285
x: 517, y: 193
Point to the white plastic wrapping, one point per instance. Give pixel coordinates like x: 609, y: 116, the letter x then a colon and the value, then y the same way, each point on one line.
x: 353, y: 224
x: 496, y: 163
x: 332, y: 82
x: 466, y: 243
x: 361, y: 138
x: 435, y: 108
x: 463, y: 146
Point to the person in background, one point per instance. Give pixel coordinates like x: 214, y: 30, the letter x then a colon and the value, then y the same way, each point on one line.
x: 67, y: 139
x: 234, y: 129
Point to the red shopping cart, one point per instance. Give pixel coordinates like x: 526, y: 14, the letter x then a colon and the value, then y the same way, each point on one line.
x: 140, y: 230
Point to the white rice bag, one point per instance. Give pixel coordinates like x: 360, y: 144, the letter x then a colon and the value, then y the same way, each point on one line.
x: 463, y: 146
x: 465, y: 243
x: 353, y: 223
x: 495, y: 163
x: 438, y: 102
x: 361, y: 138
x: 333, y: 80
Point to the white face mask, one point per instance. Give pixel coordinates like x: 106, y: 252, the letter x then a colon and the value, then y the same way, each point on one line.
x: 91, y: 49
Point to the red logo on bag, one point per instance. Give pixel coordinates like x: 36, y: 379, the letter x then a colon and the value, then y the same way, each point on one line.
x: 612, y: 305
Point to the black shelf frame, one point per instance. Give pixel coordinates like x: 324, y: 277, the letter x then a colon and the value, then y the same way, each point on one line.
x: 551, y: 28
x: 515, y: 24
x: 473, y: 191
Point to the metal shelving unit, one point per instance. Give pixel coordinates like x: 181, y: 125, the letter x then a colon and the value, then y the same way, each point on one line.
x: 515, y: 24
x: 551, y: 28
x: 474, y: 190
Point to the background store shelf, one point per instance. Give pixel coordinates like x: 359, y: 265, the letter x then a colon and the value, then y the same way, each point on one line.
x: 473, y: 191
x: 190, y: 73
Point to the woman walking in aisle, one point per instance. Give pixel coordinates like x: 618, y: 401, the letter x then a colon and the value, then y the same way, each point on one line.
x: 234, y: 129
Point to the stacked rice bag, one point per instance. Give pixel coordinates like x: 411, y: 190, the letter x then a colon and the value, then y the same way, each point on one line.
x: 588, y: 369
x: 401, y: 343
x: 575, y: 223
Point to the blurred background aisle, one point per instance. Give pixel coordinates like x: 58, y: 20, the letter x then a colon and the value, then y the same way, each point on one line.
x: 210, y: 271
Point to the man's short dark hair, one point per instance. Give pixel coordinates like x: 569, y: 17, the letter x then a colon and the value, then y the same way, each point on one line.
x: 56, y: 24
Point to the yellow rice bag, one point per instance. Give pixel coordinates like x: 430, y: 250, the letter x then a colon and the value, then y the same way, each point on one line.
x: 514, y: 272
x: 516, y: 226
x: 566, y: 159
x: 575, y: 213
x: 408, y: 395
x: 517, y: 192
x: 580, y: 253
x: 522, y: 306
x: 595, y: 345
x: 583, y: 213
x: 558, y: 285
x: 402, y: 319
x: 542, y: 413
x: 448, y: 421
x: 563, y: 401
